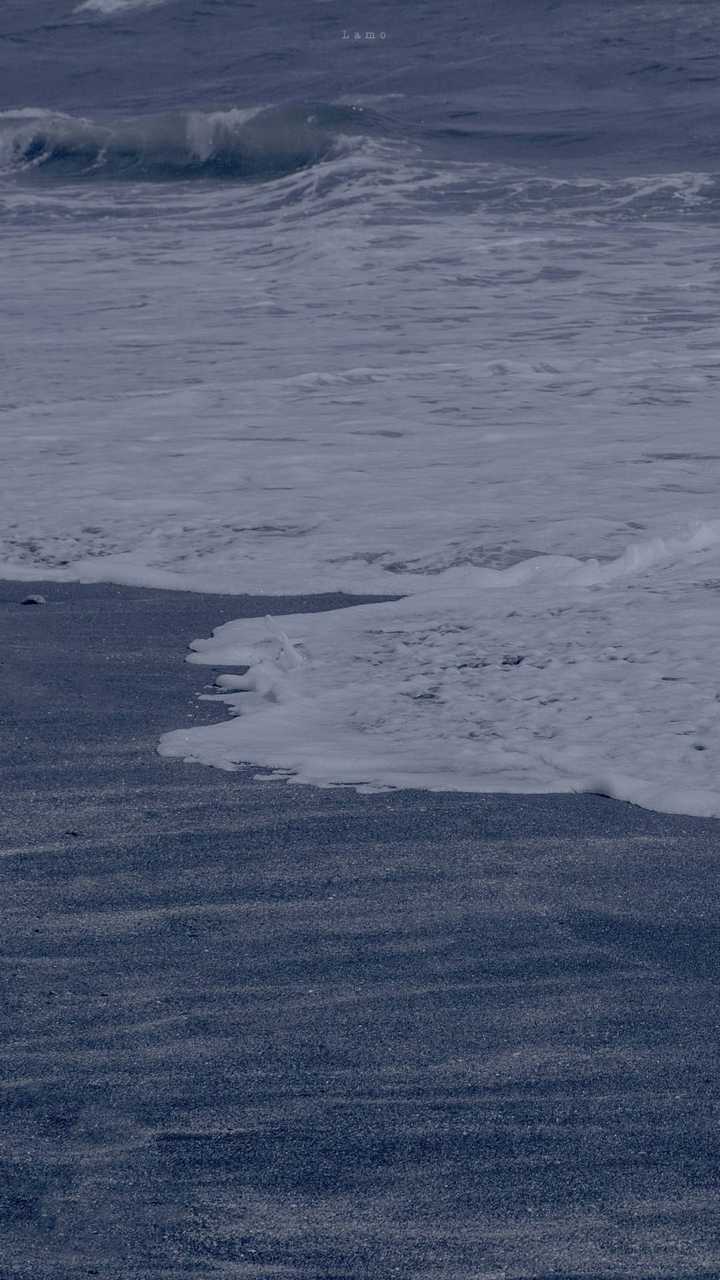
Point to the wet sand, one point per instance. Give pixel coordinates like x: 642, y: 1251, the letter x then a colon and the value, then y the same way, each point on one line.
x: 259, y: 1030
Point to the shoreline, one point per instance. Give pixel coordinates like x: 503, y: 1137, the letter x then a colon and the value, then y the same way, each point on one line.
x: 259, y: 1029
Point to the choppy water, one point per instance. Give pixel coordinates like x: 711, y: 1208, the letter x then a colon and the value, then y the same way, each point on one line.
x: 419, y: 299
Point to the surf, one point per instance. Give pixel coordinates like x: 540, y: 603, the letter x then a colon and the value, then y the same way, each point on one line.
x: 236, y: 144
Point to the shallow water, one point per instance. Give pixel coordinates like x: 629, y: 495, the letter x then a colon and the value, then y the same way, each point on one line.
x: 296, y: 305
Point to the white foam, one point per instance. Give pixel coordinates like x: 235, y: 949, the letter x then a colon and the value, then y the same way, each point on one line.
x: 518, y: 439
x: 117, y: 6
x: 206, y: 129
x: 553, y: 675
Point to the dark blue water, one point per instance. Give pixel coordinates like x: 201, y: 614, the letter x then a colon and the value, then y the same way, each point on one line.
x: 622, y: 87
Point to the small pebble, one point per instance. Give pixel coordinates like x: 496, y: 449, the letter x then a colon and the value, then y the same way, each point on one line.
x: 34, y: 600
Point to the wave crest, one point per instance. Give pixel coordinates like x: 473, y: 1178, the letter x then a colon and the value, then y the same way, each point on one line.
x: 116, y: 6
x: 251, y: 143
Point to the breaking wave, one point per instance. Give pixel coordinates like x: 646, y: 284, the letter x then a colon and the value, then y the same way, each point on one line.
x: 116, y: 6
x: 258, y: 142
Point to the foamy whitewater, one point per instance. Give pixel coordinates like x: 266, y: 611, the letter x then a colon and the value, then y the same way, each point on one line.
x: 327, y: 319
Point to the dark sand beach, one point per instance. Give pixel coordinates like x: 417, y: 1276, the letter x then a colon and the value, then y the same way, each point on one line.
x: 259, y: 1030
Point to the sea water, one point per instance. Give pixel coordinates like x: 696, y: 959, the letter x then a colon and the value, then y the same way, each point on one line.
x: 416, y: 300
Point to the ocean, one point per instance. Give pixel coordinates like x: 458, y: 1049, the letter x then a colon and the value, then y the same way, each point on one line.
x: 415, y: 300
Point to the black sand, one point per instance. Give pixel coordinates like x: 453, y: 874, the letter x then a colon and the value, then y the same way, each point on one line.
x: 258, y: 1030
